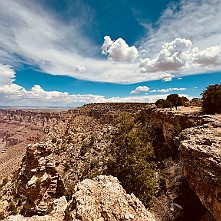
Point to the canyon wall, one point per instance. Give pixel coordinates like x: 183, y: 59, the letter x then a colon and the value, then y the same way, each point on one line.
x: 79, y: 138
x: 18, y: 128
x: 196, y: 139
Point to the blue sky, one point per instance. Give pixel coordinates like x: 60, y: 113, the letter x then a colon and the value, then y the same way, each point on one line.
x: 71, y: 52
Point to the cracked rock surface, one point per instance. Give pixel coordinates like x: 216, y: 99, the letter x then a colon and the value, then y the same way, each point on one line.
x: 102, y: 199
x: 200, y: 152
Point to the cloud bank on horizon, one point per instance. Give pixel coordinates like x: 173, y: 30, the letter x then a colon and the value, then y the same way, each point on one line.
x: 11, y: 93
x: 187, y: 41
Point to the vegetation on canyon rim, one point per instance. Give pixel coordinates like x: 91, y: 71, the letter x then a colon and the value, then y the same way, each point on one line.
x: 211, y: 100
x: 135, y: 156
x: 172, y: 100
x: 134, y: 160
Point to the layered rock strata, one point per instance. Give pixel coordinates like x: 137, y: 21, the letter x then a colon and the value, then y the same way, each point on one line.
x: 38, y: 182
x: 200, y: 153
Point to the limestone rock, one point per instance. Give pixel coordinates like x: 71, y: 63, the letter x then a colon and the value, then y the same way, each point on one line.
x: 102, y: 199
x: 57, y: 214
x: 200, y: 152
x: 38, y: 181
x: 99, y: 199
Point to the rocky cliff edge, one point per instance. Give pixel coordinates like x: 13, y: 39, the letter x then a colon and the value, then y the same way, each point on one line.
x: 99, y: 199
x: 200, y: 153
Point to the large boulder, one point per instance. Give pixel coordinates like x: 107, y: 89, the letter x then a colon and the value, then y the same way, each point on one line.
x: 104, y: 199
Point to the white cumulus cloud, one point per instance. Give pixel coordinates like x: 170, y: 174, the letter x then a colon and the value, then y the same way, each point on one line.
x: 172, y: 56
x: 166, y: 76
x: 17, y: 96
x: 186, y: 41
x: 198, y: 21
x: 7, y: 74
x: 209, y: 57
x: 178, y: 56
x: 13, y: 94
x: 80, y: 68
x: 119, y: 50
x: 106, y: 45
x: 140, y: 89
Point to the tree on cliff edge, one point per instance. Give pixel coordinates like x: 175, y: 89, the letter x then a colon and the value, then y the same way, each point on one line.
x: 212, y: 99
x: 161, y: 103
x: 175, y: 100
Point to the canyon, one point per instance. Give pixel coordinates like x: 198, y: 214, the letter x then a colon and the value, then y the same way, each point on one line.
x: 18, y: 128
x: 53, y: 164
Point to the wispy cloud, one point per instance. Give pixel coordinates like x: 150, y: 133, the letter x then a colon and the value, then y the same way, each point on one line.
x: 187, y: 42
x: 198, y: 21
x: 168, y: 90
x: 39, y: 38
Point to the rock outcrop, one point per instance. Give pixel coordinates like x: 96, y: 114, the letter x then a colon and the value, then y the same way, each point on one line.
x: 99, y: 199
x: 171, y: 122
x: 200, y: 152
x: 104, y: 199
x: 38, y: 182
x: 57, y: 214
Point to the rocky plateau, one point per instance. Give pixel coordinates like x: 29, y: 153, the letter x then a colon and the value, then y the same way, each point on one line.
x: 52, y: 165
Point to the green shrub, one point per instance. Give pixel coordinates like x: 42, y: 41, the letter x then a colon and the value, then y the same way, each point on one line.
x: 133, y: 159
x: 161, y: 103
x: 4, y: 182
x: 196, y: 102
x: 12, y: 208
x: 69, y: 191
x: 212, y: 99
x: 54, y: 140
x: 175, y: 100
x: 66, y: 166
x: 185, y: 101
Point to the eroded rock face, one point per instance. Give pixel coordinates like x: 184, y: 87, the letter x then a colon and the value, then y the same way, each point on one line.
x: 200, y: 152
x: 104, y: 199
x: 57, y: 213
x: 99, y: 199
x: 38, y: 181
